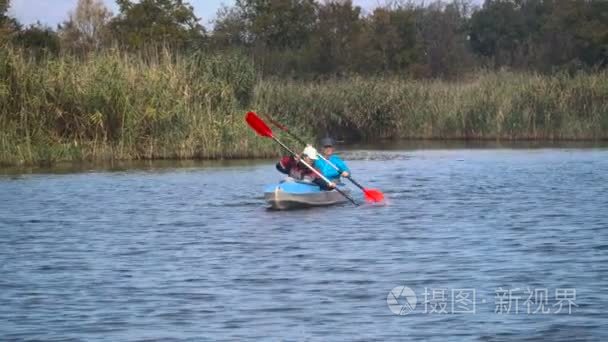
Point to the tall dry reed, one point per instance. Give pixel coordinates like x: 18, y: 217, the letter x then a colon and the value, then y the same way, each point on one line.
x: 159, y: 105
x: 119, y: 106
x: 500, y: 105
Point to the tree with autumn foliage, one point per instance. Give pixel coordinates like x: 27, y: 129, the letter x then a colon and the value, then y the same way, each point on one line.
x: 87, y: 27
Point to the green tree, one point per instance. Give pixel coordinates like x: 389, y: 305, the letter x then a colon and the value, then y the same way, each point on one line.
x: 278, y: 24
x: 393, y: 37
x: 4, y: 5
x: 443, y: 38
x: 275, y: 32
x: 545, y: 35
x: 497, y: 31
x: 229, y: 30
x: 335, y: 40
x: 8, y: 25
x: 37, y: 39
x: 154, y: 22
x: 575, y: 34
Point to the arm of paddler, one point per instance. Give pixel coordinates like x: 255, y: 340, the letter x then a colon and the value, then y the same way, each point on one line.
x: 285, y: 164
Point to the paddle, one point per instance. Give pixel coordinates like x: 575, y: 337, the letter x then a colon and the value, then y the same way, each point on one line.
x: 371, y: 195
x: 260, y: 127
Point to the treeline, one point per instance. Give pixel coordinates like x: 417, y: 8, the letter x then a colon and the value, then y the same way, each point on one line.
x: 311, y: 39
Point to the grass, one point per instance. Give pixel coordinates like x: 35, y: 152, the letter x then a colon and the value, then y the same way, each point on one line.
x: 114, y: 106
x: 500, y: 105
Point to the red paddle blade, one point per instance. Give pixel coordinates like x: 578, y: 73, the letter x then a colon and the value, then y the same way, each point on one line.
x: 373, y: 195
x: 259, y: 126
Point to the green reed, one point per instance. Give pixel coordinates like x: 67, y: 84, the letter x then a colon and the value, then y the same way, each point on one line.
x: 161, y: 105
x: 500, y: 105
x: 119, y: 106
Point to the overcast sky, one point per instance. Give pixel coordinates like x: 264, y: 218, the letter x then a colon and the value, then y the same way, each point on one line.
x: 52, y: 12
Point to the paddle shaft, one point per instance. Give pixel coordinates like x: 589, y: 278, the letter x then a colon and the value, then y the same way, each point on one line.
x: 315, y: 171
x: 296, y: 138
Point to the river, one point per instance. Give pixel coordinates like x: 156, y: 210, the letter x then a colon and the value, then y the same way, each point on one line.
x: 480, y: 244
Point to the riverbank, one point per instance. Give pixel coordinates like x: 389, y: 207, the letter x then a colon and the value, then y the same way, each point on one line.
x: 495, y: 106
x: 113, y: 106
x: 380, y: 151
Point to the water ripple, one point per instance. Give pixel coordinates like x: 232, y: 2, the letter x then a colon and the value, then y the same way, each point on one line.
x: 190, y: 254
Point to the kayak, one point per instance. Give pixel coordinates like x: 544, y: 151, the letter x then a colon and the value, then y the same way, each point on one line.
x: 291, y: 194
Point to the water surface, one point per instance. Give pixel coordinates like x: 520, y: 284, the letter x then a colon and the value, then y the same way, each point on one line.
x: 191, y: 253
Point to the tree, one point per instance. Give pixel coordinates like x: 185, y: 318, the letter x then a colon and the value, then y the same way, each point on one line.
x: 8, y: 25
x: 274, y: 32
x: 37, y: 39
x: 575, y: 34
x: 4, y: 5
x: 497, y: 31
x: 393, y: 35
x: 229, y: 29
x: 335, y: 39
x: 87, y: 27
x: 278, y: 24
x: 542, y: 34
x: 443, y: 38
x: 154, y: 22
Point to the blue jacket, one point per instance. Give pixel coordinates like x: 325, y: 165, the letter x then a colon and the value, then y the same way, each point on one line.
x: 328, y: 170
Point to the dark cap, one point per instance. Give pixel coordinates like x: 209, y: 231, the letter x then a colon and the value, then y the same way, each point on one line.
x: 327, y: 142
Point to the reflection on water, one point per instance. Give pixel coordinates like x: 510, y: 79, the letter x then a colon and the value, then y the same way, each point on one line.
x: 381, y: 150
x: 126, y: 165
x: 187, y: 250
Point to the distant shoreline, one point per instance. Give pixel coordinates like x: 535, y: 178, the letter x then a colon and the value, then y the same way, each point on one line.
x: 115, y: 106
x: 348, y: 150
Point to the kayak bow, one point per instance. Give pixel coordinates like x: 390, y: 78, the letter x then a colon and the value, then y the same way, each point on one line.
x: 291, y: 194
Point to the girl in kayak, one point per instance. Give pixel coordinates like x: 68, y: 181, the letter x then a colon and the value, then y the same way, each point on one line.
x: 294, y: 168
x: 326, y: 169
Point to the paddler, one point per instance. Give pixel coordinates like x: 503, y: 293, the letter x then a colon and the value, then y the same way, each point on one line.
x: 294, y: 168
x: 325, y: 168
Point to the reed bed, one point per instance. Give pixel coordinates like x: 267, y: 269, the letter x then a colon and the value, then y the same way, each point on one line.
x: 116, y: 106
x: 487, y: 105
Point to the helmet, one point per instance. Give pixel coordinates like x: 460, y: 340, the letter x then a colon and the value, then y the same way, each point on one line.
x: 327, y: 141
x: 311, y: 152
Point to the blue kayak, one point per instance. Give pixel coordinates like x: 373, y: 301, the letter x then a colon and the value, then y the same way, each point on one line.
x: 290, y: 194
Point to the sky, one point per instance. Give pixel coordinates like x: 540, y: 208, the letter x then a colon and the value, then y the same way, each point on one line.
x: 53, y: 12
